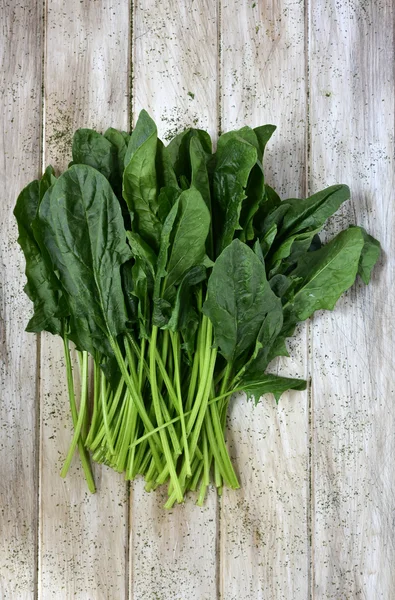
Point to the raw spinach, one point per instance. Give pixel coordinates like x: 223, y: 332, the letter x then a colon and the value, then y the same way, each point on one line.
x: 179, y: 274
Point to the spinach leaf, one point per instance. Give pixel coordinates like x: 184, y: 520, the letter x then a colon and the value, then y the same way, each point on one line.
x: 326, y: 274
x: 238, y: 299
x: 166, y: 176
x: 42, y: 286
x: 179, y: 152
x: 139, y: 180
x: 369, y: 256
x: 234, y: 161
x: 188, y: 236
x: 93, y: 149
x: 270, y: 384
x: 310, y: 214
x: 81, y: 225
x: 263, y: 135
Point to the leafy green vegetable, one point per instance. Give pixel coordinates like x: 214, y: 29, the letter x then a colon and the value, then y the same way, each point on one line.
x: 140, y: 182
x: 238, y: 299
x: 180, y: 274
x: 270, y: 384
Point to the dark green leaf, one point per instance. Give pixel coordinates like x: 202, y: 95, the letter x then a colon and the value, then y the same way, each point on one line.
x: 188, y: 236
x: 234, y: 162
x: 326, y: 274
x: 270, y: 384
x: 181, y: 314
x: 82, y: 228
x: 369, y: 256
x: 166, y: 200
x: 238, y: 299
x: 42, y: 287
x: 166, y: 176
x: 263, y: 134
x: 179, y: 151
x: 139, y: 180
x: 93, y: 149
x: 311, y: 214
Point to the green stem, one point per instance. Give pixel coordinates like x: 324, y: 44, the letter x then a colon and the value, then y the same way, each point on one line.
x: 155, y: 441
x: 84, y: 456
x: 199, y: 420
x: 175, y: 346
x: 204, y: 351
x: 95, y: 415
x: 80, y: 419
x: 176, y: 419
x: 103, y: 398
x: 114, y: 405
x: 197, y: 468
x: 159, y: 417
x: 141, y: 360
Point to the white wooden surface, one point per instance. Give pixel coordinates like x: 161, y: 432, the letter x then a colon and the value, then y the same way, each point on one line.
x: 314, y: 518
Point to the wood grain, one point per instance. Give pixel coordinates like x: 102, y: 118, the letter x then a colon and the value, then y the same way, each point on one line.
x: 83, y: 537
x: 21, y: 55
x: 264, y: 526
x: 175, y: 78
x: 300, y: 528
x: 352, y: 140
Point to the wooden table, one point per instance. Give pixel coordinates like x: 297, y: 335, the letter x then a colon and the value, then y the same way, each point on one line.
x: 315, y: 515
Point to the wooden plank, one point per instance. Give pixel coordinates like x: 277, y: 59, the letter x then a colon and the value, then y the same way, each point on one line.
x: 264, y: 529
x: 352, y: 140
x: 83, y: 537
x: 21, y: 54
x: 175, y: 79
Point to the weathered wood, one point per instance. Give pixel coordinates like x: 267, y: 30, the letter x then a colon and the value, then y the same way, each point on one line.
x: 83, y: 537
x: 352, y: 141
x: 259, y: 548
x: 264, y: 526
x: 175, y: 79
x: 21, y: 55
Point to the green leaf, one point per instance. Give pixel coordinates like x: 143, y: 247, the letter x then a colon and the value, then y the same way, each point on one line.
x: 82, y: 228
x: 234, y: 162
x: 244, y: 133
x: 270, y: 384
x: 255, y: 192
x: 238, y: 299
x: 270, y: 201
x: 166, y: 200
x: 326, y: 274
x: 46, y: 181
x: 181, y: 314
x: 140, y: 249
x: 93, y: 149
x: 139, y: 180
x: 128, y: 287
x: 369, y: 256
x: 166, y: 176
x: 188, y: 236
x: 182, y: 247
x: 263, y: 134
x: 199, y: 173
x: 120, y: 141
x: 310, y: 214
x: 267, y: 240
x: 179, y: 151
x: 266, y: 341
x: 43, y: 288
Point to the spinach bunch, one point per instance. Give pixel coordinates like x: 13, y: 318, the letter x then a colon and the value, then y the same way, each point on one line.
x: 179, y: 273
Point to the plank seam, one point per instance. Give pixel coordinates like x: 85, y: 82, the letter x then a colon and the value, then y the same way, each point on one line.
x: 309, y: 333
x: 219, y: 499
x: 129, y: 491
x: 38, y: 447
